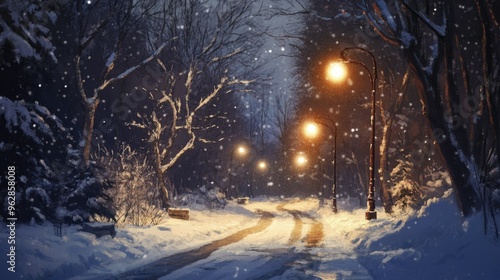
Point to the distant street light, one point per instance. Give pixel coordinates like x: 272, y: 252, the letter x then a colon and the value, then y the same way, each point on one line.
x: 300, y: 160
x: 334, y: 74
x: 261, y: 167
x: 311, y: 127
x: 241, y: 150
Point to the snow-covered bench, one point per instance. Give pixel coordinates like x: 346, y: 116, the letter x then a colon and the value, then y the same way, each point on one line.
x: 242, y: 200
x: 99, y: 229
x: 178, y: 213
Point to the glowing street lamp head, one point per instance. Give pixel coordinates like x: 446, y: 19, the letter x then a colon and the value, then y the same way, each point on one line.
x: 336, y: 72
x: 311, y: 130
x: 262, y: 165
x: 242, y: 150
x: 300, y: 160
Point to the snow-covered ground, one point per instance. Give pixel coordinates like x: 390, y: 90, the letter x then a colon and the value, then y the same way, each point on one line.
x: 434, y: 243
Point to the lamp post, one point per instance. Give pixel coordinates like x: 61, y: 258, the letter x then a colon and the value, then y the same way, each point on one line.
x: 262, y: 167
x: 241, y: 150
x: 370, y: 212
x: 300, y: 160
x: 311, y: 130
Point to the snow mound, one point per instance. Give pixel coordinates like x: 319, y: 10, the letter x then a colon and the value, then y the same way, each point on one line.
x: 433, y: 243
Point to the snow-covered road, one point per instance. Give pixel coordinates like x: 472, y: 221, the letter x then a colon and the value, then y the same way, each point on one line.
x: 302, y: 240
x: 285, y: 243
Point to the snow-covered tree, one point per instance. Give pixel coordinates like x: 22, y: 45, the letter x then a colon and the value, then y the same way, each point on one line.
x: 461, y: 110
x: 82, y: 194
x: 27, y: 128
x: 406, y: 191
x: 206, y: 60
x: 24, y: 29
x: 50, y: 186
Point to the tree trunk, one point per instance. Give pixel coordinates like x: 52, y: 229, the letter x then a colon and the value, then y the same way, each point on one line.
x: 385, y: 191
x: 161, y: 178
x: 490, y: 78
x: 465, y: 182
x: 88, y: 129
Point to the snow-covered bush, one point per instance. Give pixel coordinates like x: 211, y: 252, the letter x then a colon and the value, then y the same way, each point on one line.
x: 83, y: 196
x: 407, y: 195
x: 406, y: 192
x: 209, y: 198
x: 136, y: 193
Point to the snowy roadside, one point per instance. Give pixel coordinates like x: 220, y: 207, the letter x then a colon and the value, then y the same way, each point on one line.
x: 42, y: 254
x: 433, y: 243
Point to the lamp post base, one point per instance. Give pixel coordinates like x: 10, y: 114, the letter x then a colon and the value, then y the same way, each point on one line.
x: 334, y: 205
x: 370, y: 215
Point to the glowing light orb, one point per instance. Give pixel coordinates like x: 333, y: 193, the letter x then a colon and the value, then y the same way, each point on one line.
x: 336, y: 72
x: 300, y: 160
x: 262, y: 165
x: 311, y: 130
x: 242, y: 150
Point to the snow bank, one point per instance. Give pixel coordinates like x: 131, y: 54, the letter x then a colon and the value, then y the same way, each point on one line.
x: 434, y: 243
x: 43, y: 255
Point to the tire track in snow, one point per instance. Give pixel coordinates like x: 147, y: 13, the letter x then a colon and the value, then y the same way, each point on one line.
x: 298, y: 224
x: 174, y: 262
x: 315, y: 234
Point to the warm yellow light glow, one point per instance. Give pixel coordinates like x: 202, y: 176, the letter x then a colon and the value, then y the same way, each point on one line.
x: 300, y: 160
x: 262, y: 165
x: 311, y: 130
x: 242, y: 150
x: 336, y: 72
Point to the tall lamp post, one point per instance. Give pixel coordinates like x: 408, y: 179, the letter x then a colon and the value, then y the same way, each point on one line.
x: 262, y: 167
x: 311, y: 130
x: 241, y: 150
x: 335, y: 73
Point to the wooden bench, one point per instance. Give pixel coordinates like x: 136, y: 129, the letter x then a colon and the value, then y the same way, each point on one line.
x: 178, y: 213
x: 99, y: 229
x: 242, y: 200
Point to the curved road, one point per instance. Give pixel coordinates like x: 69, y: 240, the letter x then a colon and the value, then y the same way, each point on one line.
x: 286, y: 244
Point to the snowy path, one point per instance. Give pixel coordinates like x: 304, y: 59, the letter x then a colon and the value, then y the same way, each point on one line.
x: 285, y: 244
x: 289, y: 241
x: 302, y: 241
x: 172, y: 263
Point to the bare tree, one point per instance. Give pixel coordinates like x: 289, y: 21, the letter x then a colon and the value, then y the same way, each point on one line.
x: 103, y: 22
x: 282, y: 119
x: 202, y: 63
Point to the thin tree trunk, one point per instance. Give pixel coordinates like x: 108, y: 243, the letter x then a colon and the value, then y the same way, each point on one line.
x: 159, y: 174
x: 88, y: 130
x: 385, y: 191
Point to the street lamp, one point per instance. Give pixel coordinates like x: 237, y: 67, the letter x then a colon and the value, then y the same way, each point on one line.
x: 370, y: 212
x: 261, y: 166
x: 336, y: 71
x: 300, y: 160
x: 241, y: 150
x: 311, y: 127
x: 311, y: 130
